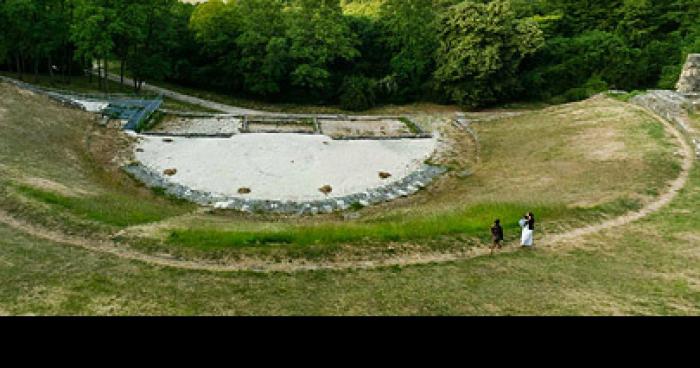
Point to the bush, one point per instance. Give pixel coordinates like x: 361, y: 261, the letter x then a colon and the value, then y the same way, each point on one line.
x: 594, y: 85
x: 358, y: 93
x: 576, y: 94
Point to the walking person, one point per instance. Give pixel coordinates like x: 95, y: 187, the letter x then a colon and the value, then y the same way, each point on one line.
x: 497, y: 235
x: 526, y: 239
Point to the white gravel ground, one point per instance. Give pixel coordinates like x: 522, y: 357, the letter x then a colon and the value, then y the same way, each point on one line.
x: 284, y: 166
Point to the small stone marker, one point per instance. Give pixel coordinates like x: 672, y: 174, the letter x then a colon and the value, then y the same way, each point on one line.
x: 170, y: 172
x: 326, y: 189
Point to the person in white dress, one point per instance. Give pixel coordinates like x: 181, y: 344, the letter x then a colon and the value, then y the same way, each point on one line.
x: 527, y: 223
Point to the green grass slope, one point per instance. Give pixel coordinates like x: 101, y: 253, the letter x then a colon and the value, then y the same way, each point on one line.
x: 57, y: 170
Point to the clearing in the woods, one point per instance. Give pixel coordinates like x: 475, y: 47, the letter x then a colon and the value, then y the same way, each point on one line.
x: 78, y: 236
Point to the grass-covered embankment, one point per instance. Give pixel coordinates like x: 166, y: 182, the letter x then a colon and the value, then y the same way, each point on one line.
x: 57, y: 168
x: 470, y: 222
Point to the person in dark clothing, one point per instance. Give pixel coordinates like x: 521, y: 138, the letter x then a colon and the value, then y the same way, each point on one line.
x: 497, y: 235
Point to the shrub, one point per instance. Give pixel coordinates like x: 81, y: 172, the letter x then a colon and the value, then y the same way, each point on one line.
x: 358, y: 93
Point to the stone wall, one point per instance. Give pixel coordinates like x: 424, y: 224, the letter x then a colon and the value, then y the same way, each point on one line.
x: 674, y: 107
x: 403, y: 188
x: 689, y: 82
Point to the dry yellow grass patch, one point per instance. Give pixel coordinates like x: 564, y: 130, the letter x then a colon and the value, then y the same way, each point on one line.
x: 55, y: 187
x: 601, y: 144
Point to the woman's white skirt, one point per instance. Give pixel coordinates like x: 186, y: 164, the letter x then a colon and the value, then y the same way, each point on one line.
x: 527, y: 237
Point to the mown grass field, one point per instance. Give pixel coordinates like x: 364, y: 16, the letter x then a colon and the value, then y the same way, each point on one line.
x: 649, y: 268
x: 585, y: 162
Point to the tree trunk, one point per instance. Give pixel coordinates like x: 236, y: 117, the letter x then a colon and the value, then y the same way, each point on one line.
x: 64, y: 63
x: 50, y: 69
x: 123, y: 64
x: 104, y: 65
x: 19, y: 66
x: 69, y: 73
x: 90, y: 69
x: 36, y: 70
x: 23, y: 63
x: 99, y: 75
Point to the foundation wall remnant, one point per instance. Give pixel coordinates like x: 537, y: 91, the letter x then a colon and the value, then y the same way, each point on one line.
x: 677, y: 106
x: 689, y: 82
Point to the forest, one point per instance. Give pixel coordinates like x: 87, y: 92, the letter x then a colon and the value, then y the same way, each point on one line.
x: 360, y: 53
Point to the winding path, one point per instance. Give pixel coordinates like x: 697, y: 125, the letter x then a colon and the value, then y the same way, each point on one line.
x: 187, y: 98
x: 123, y: 251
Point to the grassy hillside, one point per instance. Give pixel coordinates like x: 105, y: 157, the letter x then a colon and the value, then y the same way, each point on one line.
x: 58, y: 168
x: 586, y: 162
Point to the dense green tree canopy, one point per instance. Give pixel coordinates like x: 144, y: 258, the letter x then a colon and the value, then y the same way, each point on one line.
x: 410, y: 35
x: 362, y: 52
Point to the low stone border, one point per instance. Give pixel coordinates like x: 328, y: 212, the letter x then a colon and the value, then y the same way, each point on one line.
x: 186, y: 114
x: 281, y: 118
x: 383, y: 138
x: 58, y: 97
x: 403, y: 188
x: 461, y: 122
x: 673, y: 107
x: 188, y: 135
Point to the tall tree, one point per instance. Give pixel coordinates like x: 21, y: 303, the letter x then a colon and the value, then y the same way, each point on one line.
x: 481, y: 48
x: 93, y: 33
x: 18, y: 31
x: 411, y: 38
x: 150, y: 54
x: 216, y: 26
x: 262, y: 45
x: 128, y: 30
x: 319, y: 37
